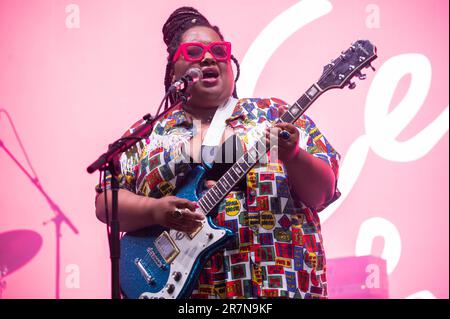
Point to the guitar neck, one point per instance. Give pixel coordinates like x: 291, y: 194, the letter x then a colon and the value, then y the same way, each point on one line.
x: 301, y: 105
x: 243, y: 165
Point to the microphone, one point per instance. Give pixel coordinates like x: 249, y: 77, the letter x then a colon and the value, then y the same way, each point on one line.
x: 187, y: 80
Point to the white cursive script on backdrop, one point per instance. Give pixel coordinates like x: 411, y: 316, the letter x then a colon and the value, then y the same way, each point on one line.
x: 382, y: 126
x: 276, y: 33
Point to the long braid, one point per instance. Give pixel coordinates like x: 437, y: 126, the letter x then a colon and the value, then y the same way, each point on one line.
x: 179, y: 22
x: 238, y: 73
x: 167, y: 78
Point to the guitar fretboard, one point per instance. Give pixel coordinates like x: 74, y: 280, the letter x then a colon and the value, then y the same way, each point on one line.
x: 243, y: 165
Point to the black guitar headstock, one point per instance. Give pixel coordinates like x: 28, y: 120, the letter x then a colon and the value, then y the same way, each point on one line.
x: 349, y: 64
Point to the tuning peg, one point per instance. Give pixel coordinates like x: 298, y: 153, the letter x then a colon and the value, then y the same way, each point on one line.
x: 351, y: 85
x: 361, y: 76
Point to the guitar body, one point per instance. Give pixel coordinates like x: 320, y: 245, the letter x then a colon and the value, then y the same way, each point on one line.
x: 156, y: 262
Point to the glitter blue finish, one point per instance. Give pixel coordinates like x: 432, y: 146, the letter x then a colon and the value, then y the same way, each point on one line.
x: 136, y: 244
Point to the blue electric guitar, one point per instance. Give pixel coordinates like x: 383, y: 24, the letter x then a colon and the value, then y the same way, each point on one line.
x: 156, y: 262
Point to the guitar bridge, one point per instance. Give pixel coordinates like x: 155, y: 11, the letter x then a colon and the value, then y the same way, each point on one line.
x: 148, y: 278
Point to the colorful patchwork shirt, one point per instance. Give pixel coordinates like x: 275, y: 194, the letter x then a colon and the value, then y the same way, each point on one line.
x: 277, y: 250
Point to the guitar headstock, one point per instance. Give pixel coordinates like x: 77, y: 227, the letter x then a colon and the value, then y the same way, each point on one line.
x: 349, y: 64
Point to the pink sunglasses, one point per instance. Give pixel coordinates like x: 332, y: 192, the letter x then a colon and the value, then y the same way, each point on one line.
x: 195, y: 51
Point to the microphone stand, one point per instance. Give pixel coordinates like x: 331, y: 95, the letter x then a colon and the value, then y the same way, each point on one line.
x: 106, y: 161
x: 58, y: 219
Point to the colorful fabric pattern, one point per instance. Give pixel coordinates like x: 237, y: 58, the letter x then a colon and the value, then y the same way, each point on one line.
x: 278, y: 249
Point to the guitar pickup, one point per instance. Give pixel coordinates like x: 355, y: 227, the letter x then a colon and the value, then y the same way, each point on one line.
x: 166, y: 247
x: 195, y: 232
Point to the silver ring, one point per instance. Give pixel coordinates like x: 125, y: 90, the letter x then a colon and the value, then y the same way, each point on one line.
x: 285, y: 135
x: 177, y: 213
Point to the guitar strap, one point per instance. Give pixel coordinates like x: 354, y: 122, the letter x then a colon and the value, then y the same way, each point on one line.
x: 215, y: 131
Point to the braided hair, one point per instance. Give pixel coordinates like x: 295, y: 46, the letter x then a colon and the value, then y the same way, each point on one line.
x: 179, y: 22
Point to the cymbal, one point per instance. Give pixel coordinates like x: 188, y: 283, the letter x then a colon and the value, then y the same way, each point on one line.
x: 17, y: 247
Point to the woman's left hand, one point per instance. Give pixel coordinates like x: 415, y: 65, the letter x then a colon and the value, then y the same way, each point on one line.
x: 288, y: 147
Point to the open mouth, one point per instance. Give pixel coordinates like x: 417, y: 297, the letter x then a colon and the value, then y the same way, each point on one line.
x: 210, y: 74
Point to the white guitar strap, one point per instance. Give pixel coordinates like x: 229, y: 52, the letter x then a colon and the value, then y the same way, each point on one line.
x: 217, y: 126
x: 215, y: 131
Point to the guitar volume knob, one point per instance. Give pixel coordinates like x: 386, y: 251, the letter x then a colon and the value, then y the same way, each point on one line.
x: 176, y: 275
x: 170, y: 288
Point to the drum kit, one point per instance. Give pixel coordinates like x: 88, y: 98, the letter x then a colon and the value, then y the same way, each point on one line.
x: 17, y: 248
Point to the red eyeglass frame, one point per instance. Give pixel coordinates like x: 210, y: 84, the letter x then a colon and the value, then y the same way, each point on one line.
x: 182, y: 49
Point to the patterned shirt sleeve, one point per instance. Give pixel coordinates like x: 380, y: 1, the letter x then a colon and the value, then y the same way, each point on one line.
x: 126, y: 178
x: 315, y: 143
x: 127, y: 164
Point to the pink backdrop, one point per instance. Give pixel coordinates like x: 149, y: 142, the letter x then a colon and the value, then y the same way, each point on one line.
x: 75, y: 74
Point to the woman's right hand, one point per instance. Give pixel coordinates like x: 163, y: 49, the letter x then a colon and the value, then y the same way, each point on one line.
x: 163, y: 213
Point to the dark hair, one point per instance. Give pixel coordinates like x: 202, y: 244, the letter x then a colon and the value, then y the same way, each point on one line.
x: 181, y: 20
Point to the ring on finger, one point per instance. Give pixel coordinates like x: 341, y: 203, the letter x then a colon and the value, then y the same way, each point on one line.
x: 285, y: 135
x: 177, y: 213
